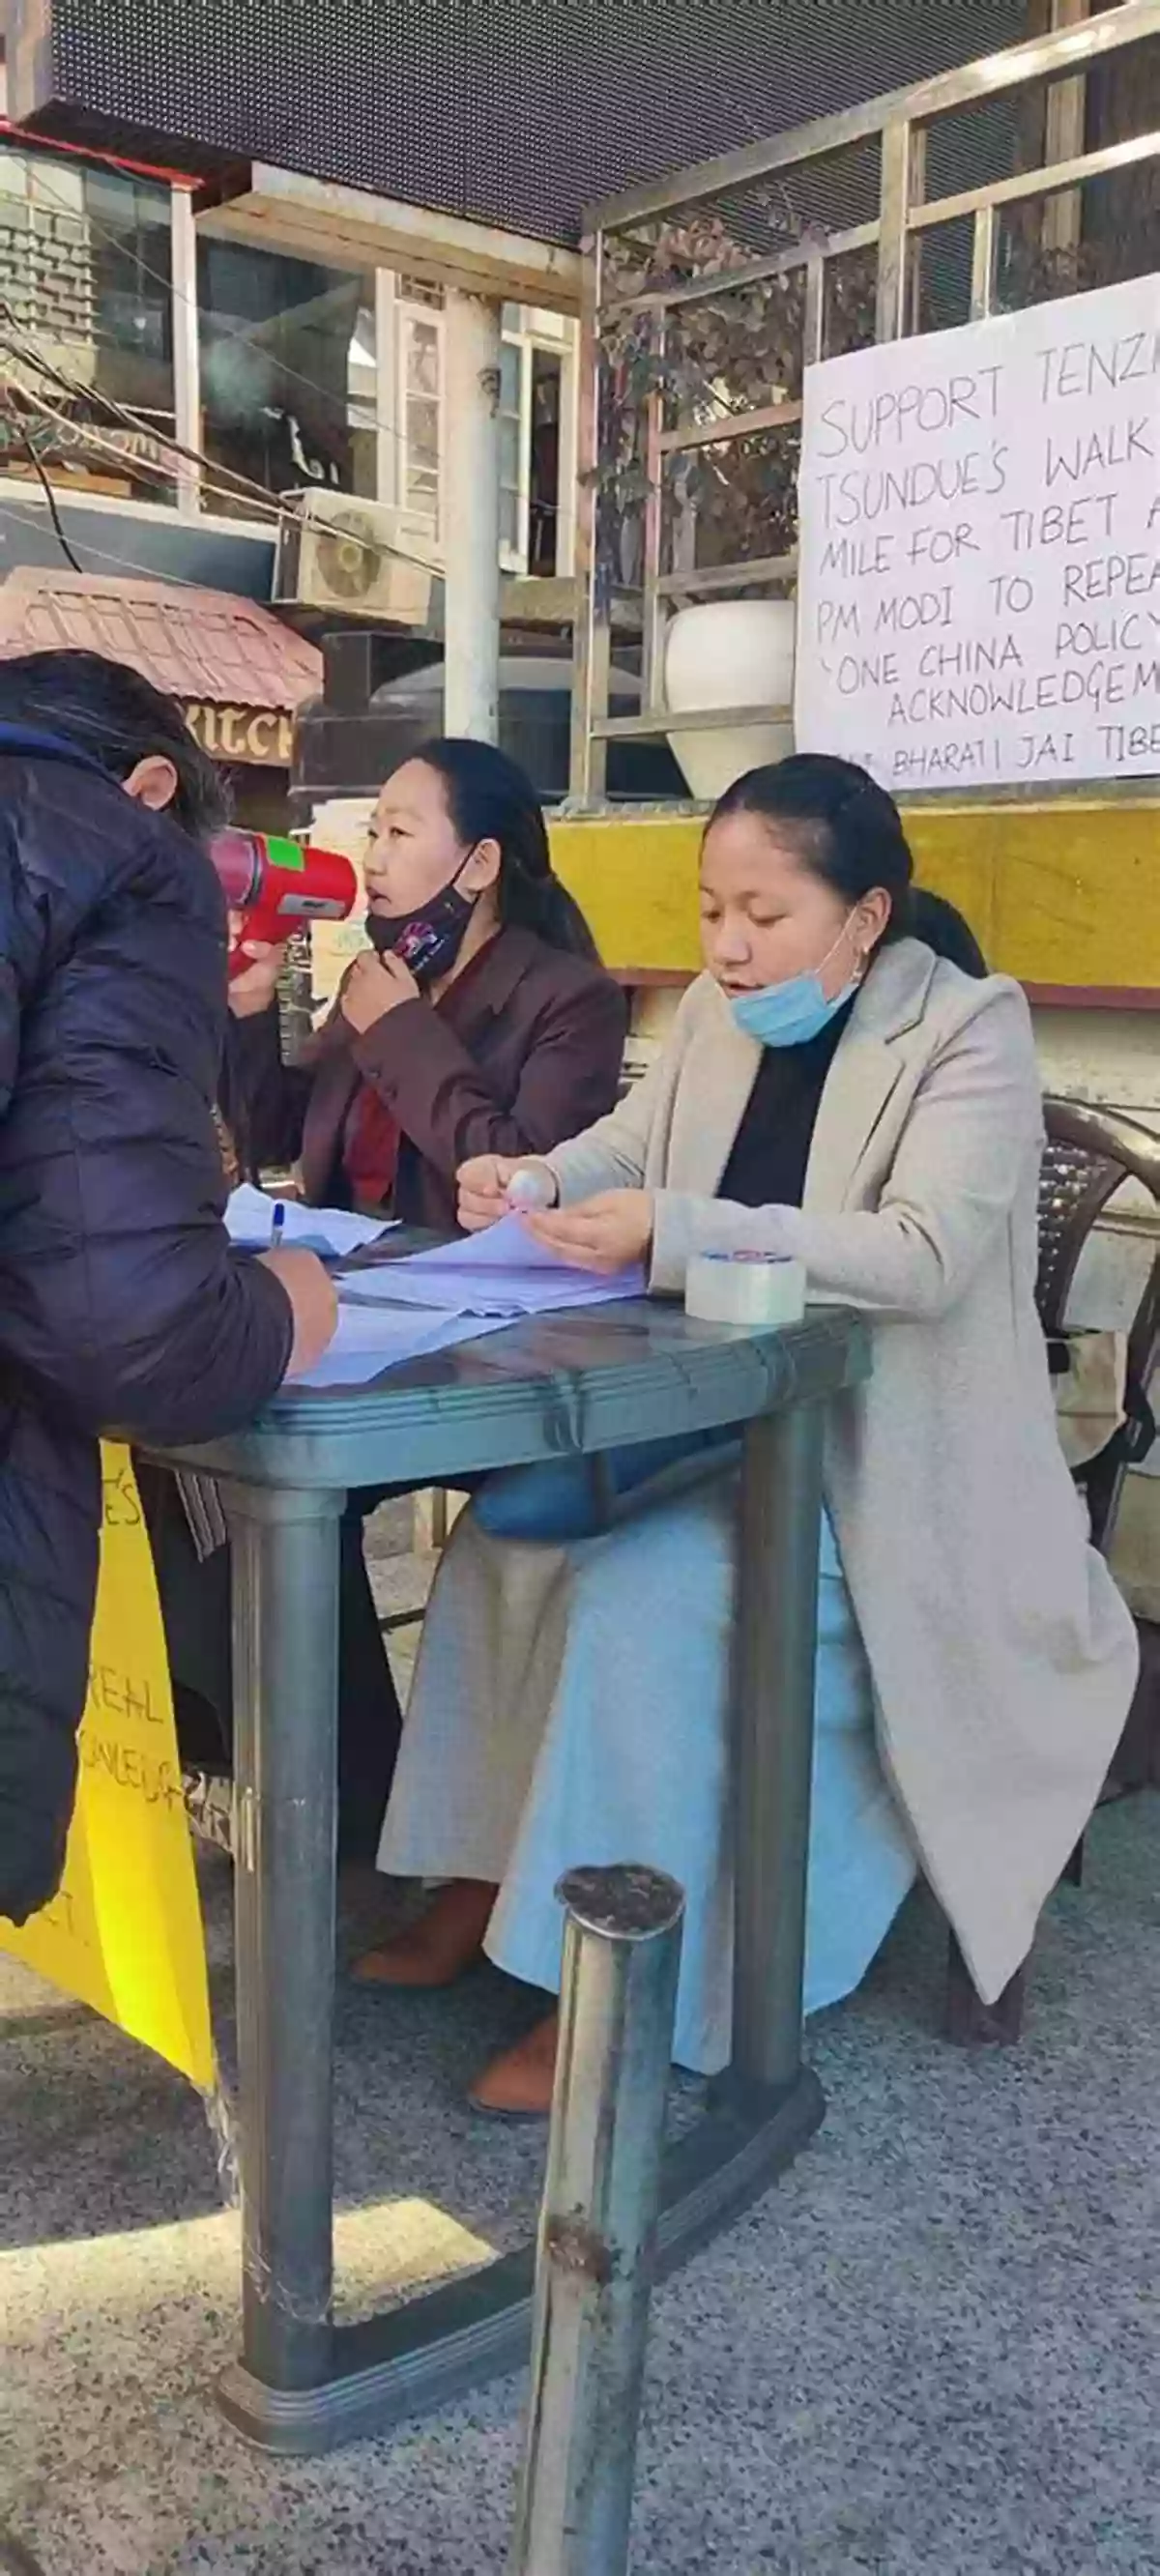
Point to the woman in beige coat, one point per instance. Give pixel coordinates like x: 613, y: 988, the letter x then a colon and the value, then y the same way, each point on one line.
x: 835, y: 1091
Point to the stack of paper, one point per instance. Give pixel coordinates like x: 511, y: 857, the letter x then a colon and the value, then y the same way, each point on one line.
x: 371, y: 1339
x: 428, y: 1301
x: 331, y: 1232
x: 503, y: 1272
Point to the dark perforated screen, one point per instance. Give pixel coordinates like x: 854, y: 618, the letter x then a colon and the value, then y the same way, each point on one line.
x: 513, y: 112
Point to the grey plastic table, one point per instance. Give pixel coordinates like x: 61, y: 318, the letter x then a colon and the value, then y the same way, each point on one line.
x: 565, y: 1384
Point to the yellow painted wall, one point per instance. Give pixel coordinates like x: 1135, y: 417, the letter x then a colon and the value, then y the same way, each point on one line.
x: 1056, y: 893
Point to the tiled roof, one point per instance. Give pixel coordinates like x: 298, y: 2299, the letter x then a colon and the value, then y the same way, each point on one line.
x: 198, y: 645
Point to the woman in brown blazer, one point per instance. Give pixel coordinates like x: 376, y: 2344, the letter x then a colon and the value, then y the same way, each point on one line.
x: 478, y: 1021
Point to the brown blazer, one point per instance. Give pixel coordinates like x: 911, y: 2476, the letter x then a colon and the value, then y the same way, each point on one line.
x: 524, y: 1051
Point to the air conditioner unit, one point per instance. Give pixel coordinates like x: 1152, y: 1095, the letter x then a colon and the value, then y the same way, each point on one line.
x: 360, y: 557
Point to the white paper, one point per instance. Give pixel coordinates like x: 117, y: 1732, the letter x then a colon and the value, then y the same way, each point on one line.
x: 501, y: 1272
x: 332, y: 1232
x: 370, y: 1339
x: 979, y: 585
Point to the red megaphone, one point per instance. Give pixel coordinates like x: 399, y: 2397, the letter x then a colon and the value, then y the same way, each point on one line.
x: 278, y: 886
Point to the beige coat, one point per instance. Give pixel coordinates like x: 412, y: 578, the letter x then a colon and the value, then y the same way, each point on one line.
x: 1003, y: 1658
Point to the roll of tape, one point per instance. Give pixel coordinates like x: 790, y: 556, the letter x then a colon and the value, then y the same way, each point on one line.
x: 744, y: 1288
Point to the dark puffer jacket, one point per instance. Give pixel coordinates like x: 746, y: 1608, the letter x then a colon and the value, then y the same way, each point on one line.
x: 122, y: 1306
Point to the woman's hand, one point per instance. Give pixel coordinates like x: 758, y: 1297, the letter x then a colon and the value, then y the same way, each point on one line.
x: 604, y: 1233
x: 374, y: 986
x: 483, y: 1184
x: 313, y: 1302
x: 256, y: 988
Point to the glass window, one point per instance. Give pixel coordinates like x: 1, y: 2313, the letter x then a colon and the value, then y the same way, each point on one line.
x: 85, y: 274
x: 530, y: 400
x: 422, y: 360
x: 288, y: 377
x: 544, y: 462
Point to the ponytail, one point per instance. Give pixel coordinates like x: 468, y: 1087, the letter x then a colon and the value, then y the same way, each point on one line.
x: 490, y: 798
x: 941, y: 926
x: 541, y: 904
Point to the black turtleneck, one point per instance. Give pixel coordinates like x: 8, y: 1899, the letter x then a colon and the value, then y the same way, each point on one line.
x: 767, y: 1167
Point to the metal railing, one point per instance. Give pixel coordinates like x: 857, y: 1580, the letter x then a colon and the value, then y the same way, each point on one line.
x: 631, y: 430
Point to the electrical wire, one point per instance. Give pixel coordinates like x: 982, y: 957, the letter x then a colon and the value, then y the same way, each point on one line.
x: 50, y: 497
x: 244, y: 488
x: 31, y: 356
x: 258, y: 501
x: 266, y: 511
x: 120, y: 563
x: 142, y: 465
x: 253, y: 493
x: 227, y: 331
x: 222, y: 330
x: 244, y: 339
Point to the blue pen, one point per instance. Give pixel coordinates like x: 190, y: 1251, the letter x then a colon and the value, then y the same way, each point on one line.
x: 277, y: 1221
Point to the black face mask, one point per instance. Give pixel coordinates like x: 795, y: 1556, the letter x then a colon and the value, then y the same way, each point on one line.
x: 429, y: 939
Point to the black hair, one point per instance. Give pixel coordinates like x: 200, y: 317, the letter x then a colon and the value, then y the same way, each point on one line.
x: 850, y: 834
x: 943, y: 928
x: 490, y: 798
x: 110, y: 711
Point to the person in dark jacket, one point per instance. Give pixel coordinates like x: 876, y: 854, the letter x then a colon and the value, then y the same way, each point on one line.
x: 122, y: 1305
x: 478, y: 1021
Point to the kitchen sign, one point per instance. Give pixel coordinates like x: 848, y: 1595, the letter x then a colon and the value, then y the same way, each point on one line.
x: 263, y: 735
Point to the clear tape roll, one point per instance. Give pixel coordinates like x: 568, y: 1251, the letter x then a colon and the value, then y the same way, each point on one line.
x: 744, y: 1288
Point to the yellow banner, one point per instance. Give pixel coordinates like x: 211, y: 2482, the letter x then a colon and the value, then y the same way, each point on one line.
x: 125, y: 1932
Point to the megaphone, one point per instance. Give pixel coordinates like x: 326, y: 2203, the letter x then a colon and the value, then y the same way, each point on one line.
x: 278, y: 886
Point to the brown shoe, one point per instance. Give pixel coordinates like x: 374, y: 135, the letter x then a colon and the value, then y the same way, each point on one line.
x: 518, y: 2085
x: 437, y: 1949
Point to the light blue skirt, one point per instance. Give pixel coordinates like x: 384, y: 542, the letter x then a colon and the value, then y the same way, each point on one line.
x: 571, y: 1706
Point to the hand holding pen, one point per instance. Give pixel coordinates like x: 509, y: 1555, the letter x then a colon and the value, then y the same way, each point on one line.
x: 312, y: 1294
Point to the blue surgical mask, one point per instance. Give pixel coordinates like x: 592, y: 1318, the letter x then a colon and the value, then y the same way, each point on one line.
x: 791, y: 1013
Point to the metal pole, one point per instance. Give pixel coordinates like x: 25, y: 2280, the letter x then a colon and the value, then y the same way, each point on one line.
x: 595, y: 2256
x: 285, y: 1632
x: 470, y: 514
x: 591, y: 630
x: 775, y: 1652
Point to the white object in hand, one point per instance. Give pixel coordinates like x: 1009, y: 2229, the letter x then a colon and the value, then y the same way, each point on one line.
x: 744, y: 1288
x: 530, y: 1188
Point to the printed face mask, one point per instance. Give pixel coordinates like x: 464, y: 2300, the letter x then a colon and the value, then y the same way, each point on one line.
x: 428, y: 939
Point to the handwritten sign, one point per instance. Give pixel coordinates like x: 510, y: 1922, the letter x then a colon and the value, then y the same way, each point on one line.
x: 125, y: 1931
x: 979, y: 593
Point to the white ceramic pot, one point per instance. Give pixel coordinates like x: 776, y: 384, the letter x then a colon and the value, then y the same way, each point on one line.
x: 729, y: 653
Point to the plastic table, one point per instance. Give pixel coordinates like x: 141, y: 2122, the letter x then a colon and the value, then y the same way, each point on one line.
x: 565, y: 1384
